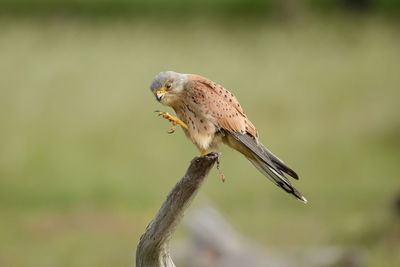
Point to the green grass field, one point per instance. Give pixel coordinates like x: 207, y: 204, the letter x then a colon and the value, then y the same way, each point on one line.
x: 85, y: 162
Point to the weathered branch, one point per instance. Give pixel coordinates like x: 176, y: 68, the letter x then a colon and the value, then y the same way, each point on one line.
x: 153, y: 247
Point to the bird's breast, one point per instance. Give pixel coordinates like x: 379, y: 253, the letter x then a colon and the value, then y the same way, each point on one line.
x: 201, y: 131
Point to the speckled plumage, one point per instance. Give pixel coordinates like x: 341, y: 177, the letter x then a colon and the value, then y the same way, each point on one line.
x: 207, y: 107
x: 214, y: 115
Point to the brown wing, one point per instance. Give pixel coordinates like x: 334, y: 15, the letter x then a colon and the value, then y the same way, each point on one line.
x: 225, y: 112
x: 222, y: 105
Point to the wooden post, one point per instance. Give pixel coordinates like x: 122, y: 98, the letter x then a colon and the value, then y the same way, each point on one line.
x: 153, y: 247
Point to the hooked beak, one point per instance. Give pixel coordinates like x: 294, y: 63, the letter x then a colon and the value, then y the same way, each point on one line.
x: 160, y: 95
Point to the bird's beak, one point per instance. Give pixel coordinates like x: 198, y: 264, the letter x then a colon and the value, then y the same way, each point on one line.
x: 160, y: 94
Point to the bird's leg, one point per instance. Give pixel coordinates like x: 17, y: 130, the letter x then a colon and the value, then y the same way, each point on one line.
x: 203, y: 152
x: 174, y: 120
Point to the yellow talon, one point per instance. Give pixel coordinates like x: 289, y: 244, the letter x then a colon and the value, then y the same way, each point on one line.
x: 203, y: 153
x: 173, y: 128
x: 174, y: 120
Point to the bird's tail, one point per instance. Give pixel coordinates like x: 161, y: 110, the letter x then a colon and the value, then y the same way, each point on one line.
x: 276, y: 178
x: 266, y: 162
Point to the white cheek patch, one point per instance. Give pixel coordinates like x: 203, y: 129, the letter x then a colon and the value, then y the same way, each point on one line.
x: 178, y: 88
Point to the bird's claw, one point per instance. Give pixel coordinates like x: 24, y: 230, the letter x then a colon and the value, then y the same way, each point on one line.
x: 174, y: 120
x: 159, y: 112
x: 168, y: 117
x: 165, y: 115
x: 173, y: 128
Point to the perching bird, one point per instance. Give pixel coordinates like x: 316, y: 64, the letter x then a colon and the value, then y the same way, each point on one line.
x: 209, y: 114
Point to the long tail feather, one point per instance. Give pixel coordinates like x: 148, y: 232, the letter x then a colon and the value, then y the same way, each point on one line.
x: 266, y: 162
x: 280, y: 181
x: 279, y: 163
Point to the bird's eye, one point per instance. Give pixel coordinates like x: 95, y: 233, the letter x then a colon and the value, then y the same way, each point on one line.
x: 168, y: 85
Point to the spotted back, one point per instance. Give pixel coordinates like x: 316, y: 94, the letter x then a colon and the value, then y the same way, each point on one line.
x: 222, y: 106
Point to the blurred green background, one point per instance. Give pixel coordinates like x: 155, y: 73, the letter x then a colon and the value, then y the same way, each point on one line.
x: 85, y: 162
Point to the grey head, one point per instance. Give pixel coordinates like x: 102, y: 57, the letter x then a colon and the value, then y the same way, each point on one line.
x: 167, y: 85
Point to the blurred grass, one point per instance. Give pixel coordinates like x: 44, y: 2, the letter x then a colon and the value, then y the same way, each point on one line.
x: 101, y: 9
x: 134, y: 8
x: 85, y: 163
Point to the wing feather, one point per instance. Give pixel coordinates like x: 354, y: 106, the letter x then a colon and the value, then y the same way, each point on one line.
x: 224, y: 111
x: 222, y: 105
x: 267, y: 163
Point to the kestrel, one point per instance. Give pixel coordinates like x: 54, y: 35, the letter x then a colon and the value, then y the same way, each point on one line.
x: 209, y: 114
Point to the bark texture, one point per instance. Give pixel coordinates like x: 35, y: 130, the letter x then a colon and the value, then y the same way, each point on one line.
x: 153, y: 247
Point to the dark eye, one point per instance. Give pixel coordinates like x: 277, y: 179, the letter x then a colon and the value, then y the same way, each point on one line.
x: 168, y: 85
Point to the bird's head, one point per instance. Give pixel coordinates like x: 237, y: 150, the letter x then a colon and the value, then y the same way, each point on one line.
x: 167, y: 86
